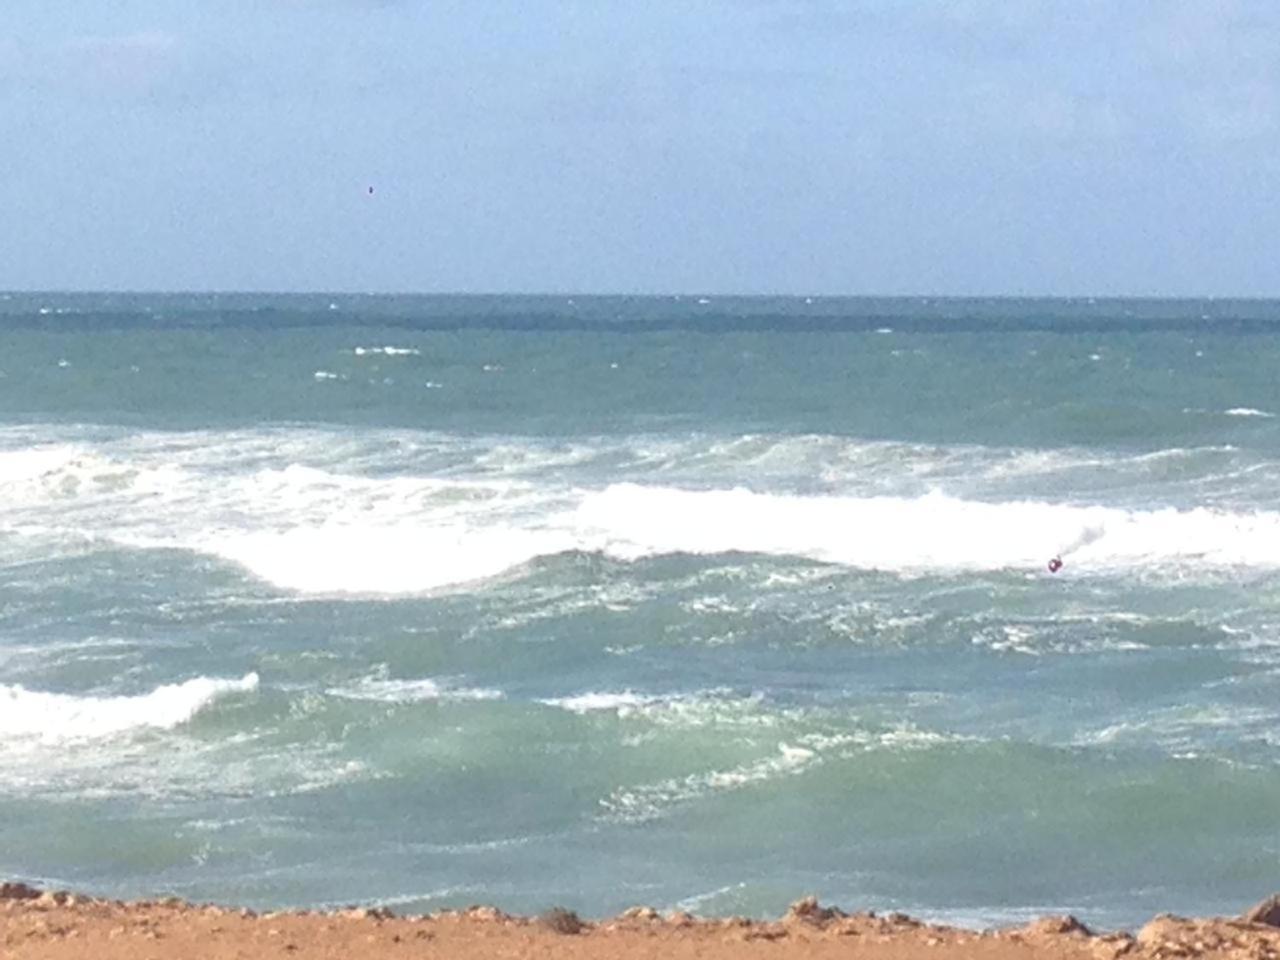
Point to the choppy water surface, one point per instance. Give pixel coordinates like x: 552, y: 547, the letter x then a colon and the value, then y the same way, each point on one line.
x: 696, y: 602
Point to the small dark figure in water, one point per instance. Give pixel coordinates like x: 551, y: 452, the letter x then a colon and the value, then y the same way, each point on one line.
x: 1055, y: 564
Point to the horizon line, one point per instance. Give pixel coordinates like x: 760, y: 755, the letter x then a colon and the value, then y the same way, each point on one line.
x: 670, y: 295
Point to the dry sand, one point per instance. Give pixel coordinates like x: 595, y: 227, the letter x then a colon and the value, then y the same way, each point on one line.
x: 61, y: 926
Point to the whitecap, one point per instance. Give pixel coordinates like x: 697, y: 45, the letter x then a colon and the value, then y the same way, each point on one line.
x: 388, y: 351
x: 59, y: 717
x: 650, y: 801
x: 411, y: 691
x: 1247, y: 412
x: 598, y: 701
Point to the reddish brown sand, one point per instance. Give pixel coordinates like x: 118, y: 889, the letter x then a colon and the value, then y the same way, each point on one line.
x: 60, y: 926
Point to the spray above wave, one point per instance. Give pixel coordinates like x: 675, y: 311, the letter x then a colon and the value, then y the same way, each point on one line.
x: 58, y: 718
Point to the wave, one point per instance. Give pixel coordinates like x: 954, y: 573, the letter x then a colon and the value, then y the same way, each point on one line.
x: 343, y: 559
x: 841, y: 464
x: 650, y: 801
x: 922, y: 534
x: 932, y: 534
x: 394, y: 513
x: 54, y: 718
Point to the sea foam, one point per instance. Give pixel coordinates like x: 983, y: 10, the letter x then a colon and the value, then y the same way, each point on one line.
x: 382, y: 690
x: 60, y: 718
x: 1248, y: 412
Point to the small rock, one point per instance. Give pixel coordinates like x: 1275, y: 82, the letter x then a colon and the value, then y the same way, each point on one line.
x: 1113, y: 945
x: 562, y: 921
x: 487, y: 914
x: 366, y: 913
x: 1160, y: 931
x: 1064, y: 924
x: 809, y: 911
x: 1267, y: 912
x: 640, y: 913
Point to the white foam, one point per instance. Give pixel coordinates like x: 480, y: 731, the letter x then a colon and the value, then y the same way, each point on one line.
x: 52, y: 718
x: 650, y: 801
x: 593, y: 702
x: 343, y: 558
x: 703, y: 708
x: 412, y: 691
x: 1247, y: 412
x: 1184, y: 728
x: 922, y: 534
x: 388, y: 351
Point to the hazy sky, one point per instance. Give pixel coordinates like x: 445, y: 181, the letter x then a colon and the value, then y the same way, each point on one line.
x: 868, y: 146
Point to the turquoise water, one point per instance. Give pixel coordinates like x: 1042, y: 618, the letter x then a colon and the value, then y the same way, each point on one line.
x: 696, y: 602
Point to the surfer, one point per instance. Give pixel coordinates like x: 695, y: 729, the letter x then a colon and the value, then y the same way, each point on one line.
x: 1055, y: 564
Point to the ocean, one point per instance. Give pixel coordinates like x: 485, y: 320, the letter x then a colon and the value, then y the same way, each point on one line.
x: 699, y: 602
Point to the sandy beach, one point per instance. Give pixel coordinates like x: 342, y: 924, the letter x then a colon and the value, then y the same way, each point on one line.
x: 59, y: 925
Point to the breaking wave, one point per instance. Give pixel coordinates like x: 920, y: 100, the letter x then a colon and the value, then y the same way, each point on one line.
x: 922, y: 534
x: 393, y: 514
x: 54, y: 718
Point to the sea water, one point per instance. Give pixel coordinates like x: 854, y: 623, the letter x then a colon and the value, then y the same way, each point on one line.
x: 695, y: 602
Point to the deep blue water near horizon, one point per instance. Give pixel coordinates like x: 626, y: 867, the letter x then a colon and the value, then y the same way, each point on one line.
x: 699, y: 602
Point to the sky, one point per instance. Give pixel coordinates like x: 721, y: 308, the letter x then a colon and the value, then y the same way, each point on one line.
x: 968, y: 147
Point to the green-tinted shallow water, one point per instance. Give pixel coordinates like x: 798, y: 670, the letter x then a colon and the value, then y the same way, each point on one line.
x: 432, y: 601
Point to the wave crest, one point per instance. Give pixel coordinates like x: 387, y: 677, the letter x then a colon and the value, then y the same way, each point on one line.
x: 53, y: 718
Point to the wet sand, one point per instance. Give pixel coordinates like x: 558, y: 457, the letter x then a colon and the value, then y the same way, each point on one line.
x: 43, y: 924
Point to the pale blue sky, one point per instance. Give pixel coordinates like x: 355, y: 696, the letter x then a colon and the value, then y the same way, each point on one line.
x: 969, y: 146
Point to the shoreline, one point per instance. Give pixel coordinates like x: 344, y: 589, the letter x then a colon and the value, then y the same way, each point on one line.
x: 57, y: 924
